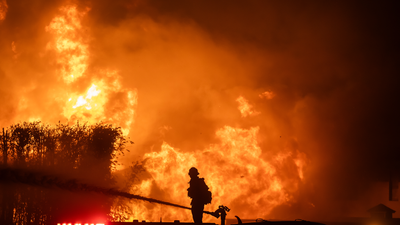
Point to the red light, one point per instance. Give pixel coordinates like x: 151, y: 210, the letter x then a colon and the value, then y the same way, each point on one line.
x: 81, y: 224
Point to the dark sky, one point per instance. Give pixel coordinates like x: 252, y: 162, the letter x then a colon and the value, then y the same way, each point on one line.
x: 332, y: 65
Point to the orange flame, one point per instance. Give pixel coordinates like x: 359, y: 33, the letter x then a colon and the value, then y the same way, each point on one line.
x: 73, y: 53
x: 234, y: 170
x: 96, y: 104
x: 267, y: 95
x: 245, y: 108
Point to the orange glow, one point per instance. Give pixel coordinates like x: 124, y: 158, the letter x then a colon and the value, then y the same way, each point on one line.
x: 84, y: 101
x: 3, y: 9
x: 14, y: 50
x: 282, y: 107
x: 73, y: 53
x: 267, y: 95
x: 234, y: 170
x: 237, y: 171
x: 301, y: 162
x: 90, y: 106
x: 245, y: 108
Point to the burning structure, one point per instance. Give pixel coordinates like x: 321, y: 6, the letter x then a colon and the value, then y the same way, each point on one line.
x: 288, y: 109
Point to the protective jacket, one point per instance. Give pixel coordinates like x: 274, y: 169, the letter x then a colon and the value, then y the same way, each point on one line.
x: 198, y: 191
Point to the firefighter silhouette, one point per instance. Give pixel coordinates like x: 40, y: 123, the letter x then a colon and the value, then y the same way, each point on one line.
x: 199, y: 193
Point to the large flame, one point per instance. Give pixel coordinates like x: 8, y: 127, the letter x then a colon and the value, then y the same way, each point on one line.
x: 273, y: 99
x: 97, y: 102
x: 73, y: 52
x: 234, y: 170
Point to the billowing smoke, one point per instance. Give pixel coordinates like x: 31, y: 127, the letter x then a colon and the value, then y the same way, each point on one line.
x: 317, y: 80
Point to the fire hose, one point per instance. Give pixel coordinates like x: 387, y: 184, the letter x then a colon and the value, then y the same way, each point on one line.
x: 46, y: 181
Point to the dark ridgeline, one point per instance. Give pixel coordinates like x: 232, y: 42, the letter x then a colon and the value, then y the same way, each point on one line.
x: 81, y: 151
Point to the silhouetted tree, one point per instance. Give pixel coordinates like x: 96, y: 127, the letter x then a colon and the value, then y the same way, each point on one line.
x: 82, y: 151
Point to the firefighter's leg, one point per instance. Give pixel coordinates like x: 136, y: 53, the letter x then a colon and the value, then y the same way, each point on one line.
x: 197, y: 213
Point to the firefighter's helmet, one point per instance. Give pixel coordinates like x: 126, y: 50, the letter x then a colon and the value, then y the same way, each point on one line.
x: 193, y: 171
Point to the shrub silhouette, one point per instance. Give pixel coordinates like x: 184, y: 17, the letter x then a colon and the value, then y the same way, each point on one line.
x: 81, y: 151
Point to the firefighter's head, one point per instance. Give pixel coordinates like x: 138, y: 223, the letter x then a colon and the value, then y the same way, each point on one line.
x: 193, y: 172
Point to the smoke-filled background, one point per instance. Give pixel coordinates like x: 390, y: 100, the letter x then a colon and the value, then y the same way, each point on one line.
x: 287, y: 108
